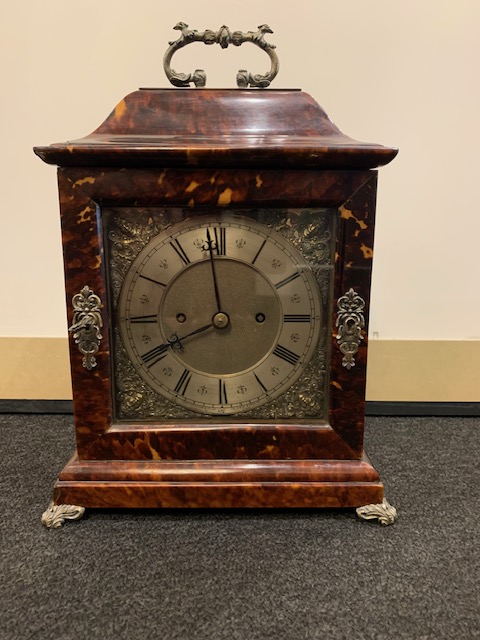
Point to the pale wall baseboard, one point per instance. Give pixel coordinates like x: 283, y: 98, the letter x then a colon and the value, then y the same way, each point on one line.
x: 35, y: 369
x: 424, y: 371
x: 398, y: 370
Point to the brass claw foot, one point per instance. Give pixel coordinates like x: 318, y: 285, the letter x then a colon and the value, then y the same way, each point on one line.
x: 384, y: 512
x: 56, y: 514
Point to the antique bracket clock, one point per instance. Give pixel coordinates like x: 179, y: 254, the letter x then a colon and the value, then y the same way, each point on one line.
x: 218, y: 253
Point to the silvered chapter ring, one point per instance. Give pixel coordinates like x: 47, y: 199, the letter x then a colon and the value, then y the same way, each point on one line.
x: 223, y: 37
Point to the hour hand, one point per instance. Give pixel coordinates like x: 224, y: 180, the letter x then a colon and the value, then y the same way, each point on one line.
x: 174, y: 342
x: 220, y: 321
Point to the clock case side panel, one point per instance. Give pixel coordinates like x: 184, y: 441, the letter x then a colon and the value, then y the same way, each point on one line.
x: 353, y: 271
x: 84, y: 266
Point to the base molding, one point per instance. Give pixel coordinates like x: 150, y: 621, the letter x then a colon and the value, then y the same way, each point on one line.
x: 218, y: 484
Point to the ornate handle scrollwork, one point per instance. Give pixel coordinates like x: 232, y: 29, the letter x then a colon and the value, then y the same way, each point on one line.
x: 350, y: 322
x: 87, y: 322
x: 223, y: 37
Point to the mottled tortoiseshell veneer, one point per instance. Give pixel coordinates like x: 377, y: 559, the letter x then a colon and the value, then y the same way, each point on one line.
x: 217, y: 149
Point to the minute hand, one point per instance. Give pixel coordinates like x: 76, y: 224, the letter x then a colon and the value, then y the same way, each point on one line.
x: 212, y: 262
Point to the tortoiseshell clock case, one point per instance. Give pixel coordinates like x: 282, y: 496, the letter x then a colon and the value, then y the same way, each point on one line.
x: 167, y: 157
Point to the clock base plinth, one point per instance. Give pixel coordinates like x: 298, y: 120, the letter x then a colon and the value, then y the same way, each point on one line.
x: 219, y: 484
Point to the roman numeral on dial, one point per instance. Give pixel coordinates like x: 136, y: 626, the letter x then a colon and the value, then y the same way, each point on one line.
x: 155, y: 355
x: 297, y: 317
x: 184, y: 381
x: 258, y: 252
x: 222, y: 392
x: 152, y: 280
x: 286, y: 354
x: 177, y: 247
x: 282, y: 283
x: 260, y: 382
x: 143, y: 319
x: 220, y: 240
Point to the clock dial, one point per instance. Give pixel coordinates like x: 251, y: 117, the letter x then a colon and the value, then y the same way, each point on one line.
x: 219, y: 314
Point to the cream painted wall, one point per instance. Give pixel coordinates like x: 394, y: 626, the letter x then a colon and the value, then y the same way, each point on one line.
x: 400, y: 73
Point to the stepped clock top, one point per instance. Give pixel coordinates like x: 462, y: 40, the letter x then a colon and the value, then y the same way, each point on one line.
x: 207, y: 127
x: 243, y: 127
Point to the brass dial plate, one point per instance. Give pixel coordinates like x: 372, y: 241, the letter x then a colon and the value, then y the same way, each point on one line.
x: 311, y: 232
x: 219, y: 314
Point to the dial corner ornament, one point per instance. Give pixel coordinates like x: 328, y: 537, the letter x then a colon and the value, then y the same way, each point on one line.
x: 219, y: 314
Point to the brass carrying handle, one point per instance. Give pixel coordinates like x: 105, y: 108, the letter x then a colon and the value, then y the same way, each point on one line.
x: 223, y: 37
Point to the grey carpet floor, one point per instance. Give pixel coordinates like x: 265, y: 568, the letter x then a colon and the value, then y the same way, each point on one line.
x: 247, y: 575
